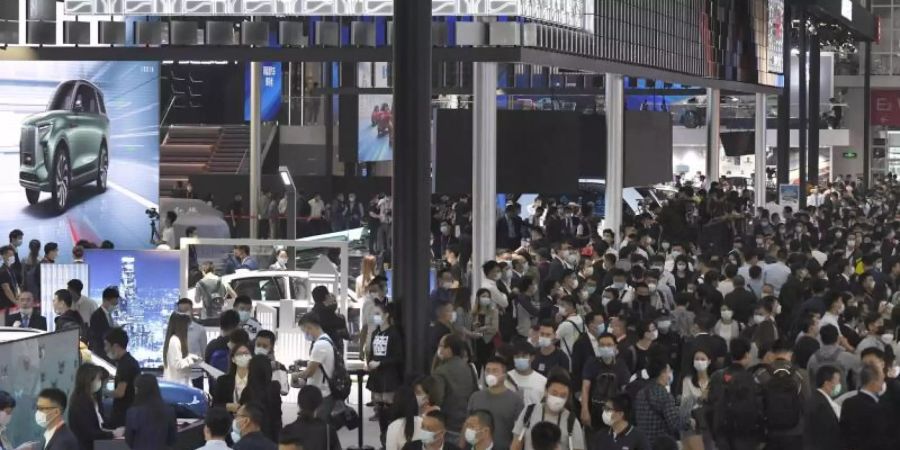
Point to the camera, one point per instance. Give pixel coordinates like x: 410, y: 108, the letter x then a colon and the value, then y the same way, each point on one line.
x: 152, y: 214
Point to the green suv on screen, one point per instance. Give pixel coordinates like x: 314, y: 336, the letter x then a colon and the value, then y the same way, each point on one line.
x: 65, y: 146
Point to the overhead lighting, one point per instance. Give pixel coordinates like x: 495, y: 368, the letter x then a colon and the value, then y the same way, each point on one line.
x: 286, y: 179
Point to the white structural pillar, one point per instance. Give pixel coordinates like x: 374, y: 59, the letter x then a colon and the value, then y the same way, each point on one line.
x: 615, y: 151
x: 713, y: 141
x: 484, y: 168
x: 759, y: 168
x: 255, y: 142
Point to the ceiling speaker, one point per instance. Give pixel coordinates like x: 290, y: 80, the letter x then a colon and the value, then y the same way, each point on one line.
x: 112, y: 33
x: 220, y: 33
x: 290, y: 34
x: 78, y: 33
x: 183, y: 33
x: 255, y: 33
x: 151, y: 33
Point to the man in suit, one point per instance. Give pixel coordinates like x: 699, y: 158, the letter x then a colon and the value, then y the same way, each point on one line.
x: 822, y: 414
x: 510, y: 229
x: 478, y: 431
x: 27, y: 317
x: 51, y: 406
x: 102, y: 320
x: 434, y: 434
x: 247, y: 431
x: 864, y: 424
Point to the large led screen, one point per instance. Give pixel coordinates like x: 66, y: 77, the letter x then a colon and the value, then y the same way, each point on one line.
x: 376, y: 128
x: 64, y: 128
x: 148, y: 290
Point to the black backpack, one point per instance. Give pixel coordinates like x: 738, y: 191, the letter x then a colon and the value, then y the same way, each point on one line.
x: 737, y: 411
x: 339, y: 381
x: 604, y: 387
x: 782, y: 400
x: 526, y: 422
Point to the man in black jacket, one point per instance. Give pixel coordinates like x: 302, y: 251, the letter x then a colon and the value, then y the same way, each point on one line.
x: 66, y: 317
x: 434, y: 434
x: 101, y: 319
x: 27, y: 317
x: 247, y: 424
x: 740, y: 300
x: 864, y: 423
x: 821, y: 420
x: 51, y: 407
x: 325, y: 307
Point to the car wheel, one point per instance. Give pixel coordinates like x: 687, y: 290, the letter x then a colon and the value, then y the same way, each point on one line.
x: 32, y: 195
x: 61, y: 181
x: 103, y: 168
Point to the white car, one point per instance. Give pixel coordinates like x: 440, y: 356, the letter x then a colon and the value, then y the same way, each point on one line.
x: 272, y: 286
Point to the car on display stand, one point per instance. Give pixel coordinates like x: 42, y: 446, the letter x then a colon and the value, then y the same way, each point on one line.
x: 188, y: 401
x: 66, y: 146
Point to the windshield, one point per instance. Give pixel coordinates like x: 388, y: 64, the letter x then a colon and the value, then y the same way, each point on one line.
x: 62, y: 98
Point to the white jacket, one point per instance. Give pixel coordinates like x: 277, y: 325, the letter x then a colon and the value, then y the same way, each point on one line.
x: 178, y: 368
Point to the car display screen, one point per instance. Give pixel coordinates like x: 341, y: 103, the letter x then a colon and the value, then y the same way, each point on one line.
x: 79, y: 151
x: 148, y: 290
x: 376, y: 128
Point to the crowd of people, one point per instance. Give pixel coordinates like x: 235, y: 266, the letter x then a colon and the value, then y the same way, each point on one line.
x: 703, y: 323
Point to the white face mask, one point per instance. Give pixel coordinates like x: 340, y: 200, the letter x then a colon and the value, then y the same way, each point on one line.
x: 242, y: 361
x: 491, y: 380
x: 555, y: 404
x: 887, y: 338
x: 378, y: 320
x: 41, y: 419
x: 484, y: 301
x: 235, y: 431
x: 727, y: 315
x: 282, y: 260
x: 544, y: 342
x: 759, y: 318
x: 453, y: 316
x: 427, y: 437
x: 421, y: 399
x: 96, y: 385
x: 701, y: 365
x: 607, y: 418
x: 261, y: 351
x: 471, y: 436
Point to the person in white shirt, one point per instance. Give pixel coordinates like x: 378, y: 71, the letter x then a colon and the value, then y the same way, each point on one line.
x: 321, y: 362
x: 523, y: 378
x: 177, y: 360
x: 281, y: 260
x: 265, y: 345
x: 492, y: 273
x: 553, y: 410
x: 168, y: 232
x: 570, y: 327
x: 316, y: 207
x: 408, y: 427
x: 80, y: 303
x: 196, y: 338
x: 216, y: 427
x: 778, y: 272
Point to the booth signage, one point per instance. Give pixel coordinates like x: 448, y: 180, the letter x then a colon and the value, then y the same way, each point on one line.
x: 886, y: 107
x: 568, y: 13
x: 847, y: 9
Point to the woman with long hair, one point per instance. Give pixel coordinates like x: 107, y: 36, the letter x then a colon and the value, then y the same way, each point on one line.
x: 280, y: 260
x: 367, y: 273
x: 85, y: 417
x: 264, y: 392
x: 694, y: 392
x: 384, y: 357
x: 30, y: 275
x: 407, y: 426
x: 485, y: 325
x: 150, y: 423
x: 177, y: 361
x: 230, y: 387
x: 317, y: 433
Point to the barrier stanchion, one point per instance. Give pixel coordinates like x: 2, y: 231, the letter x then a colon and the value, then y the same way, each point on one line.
x: 360, y: 374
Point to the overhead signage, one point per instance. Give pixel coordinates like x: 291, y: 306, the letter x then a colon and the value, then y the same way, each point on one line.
x: 847, y: 9
x: 850, y: 155
x: 885, y: 107
x: 569, y: 13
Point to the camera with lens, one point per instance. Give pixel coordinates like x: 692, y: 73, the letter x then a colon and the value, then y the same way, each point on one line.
x: 152, y: 214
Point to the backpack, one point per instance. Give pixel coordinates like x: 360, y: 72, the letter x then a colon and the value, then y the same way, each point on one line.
x: 213, y: 302
x: 580, y: 332
x: 736, y: 412
x: 526, y: 423
x: 339, y: 381
x: 220, y: 359
x: 604, y: 387
x: 782, y: 402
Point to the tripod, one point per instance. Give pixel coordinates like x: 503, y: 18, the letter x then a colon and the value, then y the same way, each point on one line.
x: 154, y: 233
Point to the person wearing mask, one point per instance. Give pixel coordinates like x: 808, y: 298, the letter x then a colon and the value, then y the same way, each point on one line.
x: 456, y: 381
x: 244, y: 307
x: 265, y: 345
x: 314, y: 432
x: 549, y: 356
x: 571, y: 326
x: 177, y: 358
x: 656, y: 410
x: 486, y: 325
x: 16, y: 238
x: 646, y: 345
x: 50, y: 409
x: 196, y: 338
x: 442, y: 325
x: 831, y: 354
x: 30, y: 268
x: 230, y: 386
x: 281, y: 260
x: 211, y: 292
x: 479, y: 430
x: 244, y: 260
x: 385, y: 357
x: 735, y: 401
x: 552, y: 409
x: 102, y: 320
x: 876, y: 334
x: 7, y: 405
x: 503, y: 404
x: 619, y: 433
x: 85, y: 416
x: 333, y: 324
x: 785, y: 390
x: 216, y: 428
x: 586, y: 346
x: 407, y: 426
x: 27, y: 317
x: 261, y: 390
x: 727, y: 327
x: 115, y: 345
x: 694, y: 392
x: 822, y: 430
x: 374, y: 296
x: 151, y: 422
x: 217, y: 353
x: 864, y: 422
x: 528, y: 382
x: 66, y: 317
x: 322, y: 360
x: 9, y: 281
x: 246, y: 429
x: 433, y: 434
x: 81, y: 303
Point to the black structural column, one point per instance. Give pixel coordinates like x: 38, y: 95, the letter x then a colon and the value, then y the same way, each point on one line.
x: 783, y: 151
x: 867, y: 111
x: 815, y: 80
x: 804, y: 106
x: 412, y: 172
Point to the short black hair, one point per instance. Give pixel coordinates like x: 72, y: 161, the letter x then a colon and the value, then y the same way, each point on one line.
x: 56, y: 396
x: 485, y: 418
x: 110, y: 292
x: 6, y: 400
x: 825, y: 374
x: 7, y: 248
x: 310, y: 319
x: 309, y: 398
x: 218, y: 421
x: 16, y: 234
x: 243, y: 300
x: 319, y: 294
x: 545, y: 436
x: 497, y: 360
x: 189, y: 231
x: 828, y: 334
x: 229, y: 320
x: 266, y: 334
x: 117, y: 336
x: 50, y: 247
x: 740, y: 347
x: 455, y: 344
x: 254, y: 412
x: 75, y: 285
x: 185, y: 301
x: 64, y: 296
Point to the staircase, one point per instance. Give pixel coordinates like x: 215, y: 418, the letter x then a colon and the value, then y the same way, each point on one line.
x: 197, y: 149
x: 232, y: 147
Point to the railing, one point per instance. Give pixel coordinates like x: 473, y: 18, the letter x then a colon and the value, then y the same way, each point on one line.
x: 269, y: 140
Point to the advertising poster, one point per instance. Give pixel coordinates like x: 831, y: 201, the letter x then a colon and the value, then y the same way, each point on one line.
x: 32, y: 363
x: 66, y: 127
x: 376, y: 128
x: 789, y: 194
x: 270, y: 101
x: 148, y: 290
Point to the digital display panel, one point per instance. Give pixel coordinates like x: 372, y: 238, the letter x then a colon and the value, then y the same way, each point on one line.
x: 376, y: 128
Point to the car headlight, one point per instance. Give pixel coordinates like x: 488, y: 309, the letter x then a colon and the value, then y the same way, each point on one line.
x: 43, y: 131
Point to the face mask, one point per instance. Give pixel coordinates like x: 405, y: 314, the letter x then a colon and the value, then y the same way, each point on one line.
x: 676, y: 253
x: 759, y: 318
x: 491, y: 380
x: 244, y: 315
x: 421, y: 399
x: 701, y: 365
x: 607, y: 418
x: 664, y: 326
x: 600, y: 329
x: 887, y: 338
x: 235, y: 431
x: 652, y: 287
x: 664, y: 245
x: 41, y: 419
x: 427, y: 437
x: 453, y: 316
x: 378, y: 320
x: 654, y: 335
x: 836, y: 391
x: 606, y: 352
x: 11, y: 260
x: 605, y: 300
x: 573, y: 284
x: 484, y: 301
x: 572, y: 259
x: 5, y: 418
x: 522, y: 364
x: 727, y: 315
x: 838, y: 235
x: 777, y: 309
x: 261, y: 351
x: 544, y: 342
x: 555, y: 404
x: 282, y: 260
x: 96, y: 385
x: 619, y: 285
x: 561, y: 310
x: 242, y: 361
x: 447, y: 286
x: 471, y: 436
